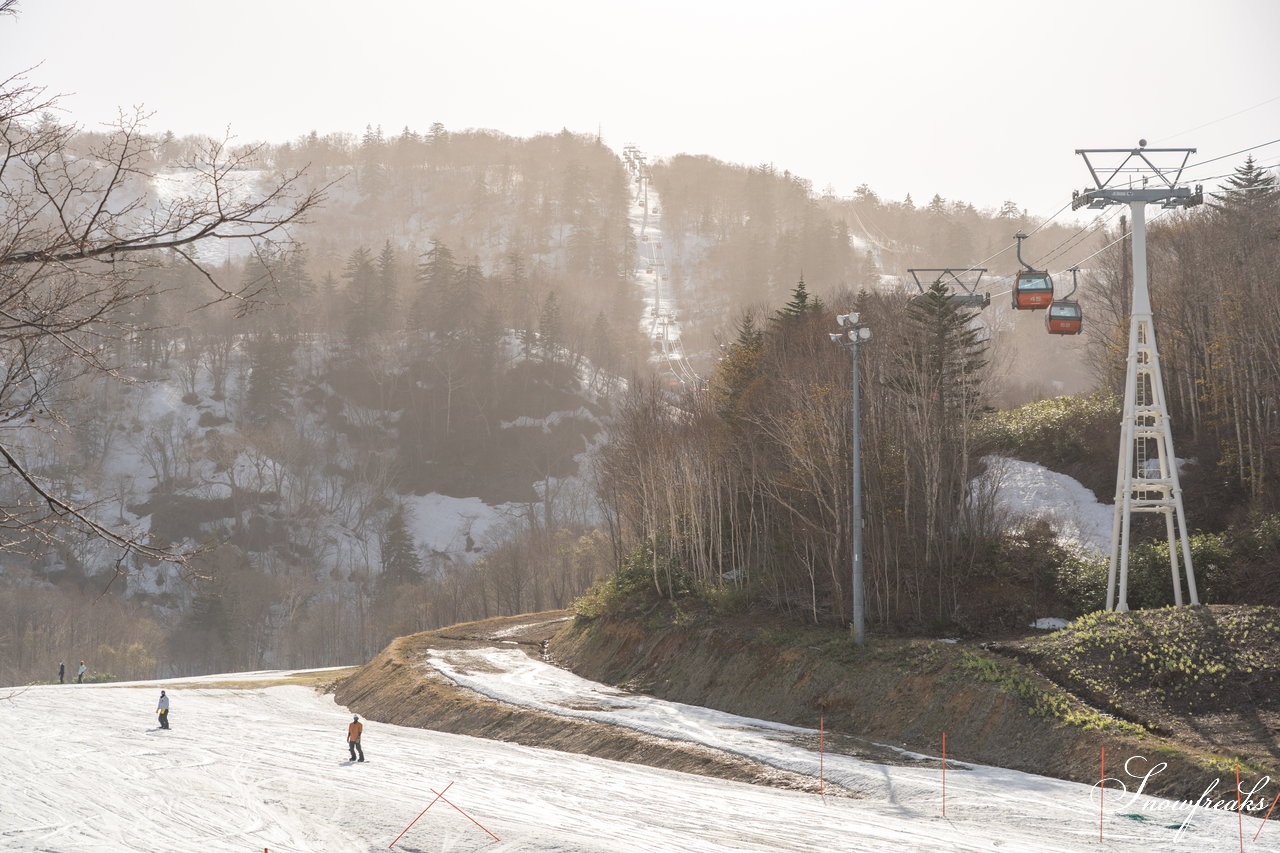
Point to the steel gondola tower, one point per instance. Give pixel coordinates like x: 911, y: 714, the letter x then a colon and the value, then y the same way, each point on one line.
x: 1146, y: 473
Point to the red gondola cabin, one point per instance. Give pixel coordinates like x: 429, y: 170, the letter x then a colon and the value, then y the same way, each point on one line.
x: 1064, y: 318
x: 1032, y: 291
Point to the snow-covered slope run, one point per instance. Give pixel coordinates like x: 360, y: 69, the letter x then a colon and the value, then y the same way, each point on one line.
x: 988, y: 808
x: 248, y: 766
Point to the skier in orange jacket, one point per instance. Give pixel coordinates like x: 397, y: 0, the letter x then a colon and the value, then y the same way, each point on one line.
x: 354, y: 729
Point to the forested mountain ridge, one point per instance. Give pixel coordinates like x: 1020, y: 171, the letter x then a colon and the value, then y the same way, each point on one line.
x: 454, y: 324
x: 385, y: 414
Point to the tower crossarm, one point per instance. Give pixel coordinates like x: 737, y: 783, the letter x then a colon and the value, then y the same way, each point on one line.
x: 1148, y: 181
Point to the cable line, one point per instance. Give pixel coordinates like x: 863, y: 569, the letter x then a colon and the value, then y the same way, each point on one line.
x: 1216, y: 120
x: 1234, y: 153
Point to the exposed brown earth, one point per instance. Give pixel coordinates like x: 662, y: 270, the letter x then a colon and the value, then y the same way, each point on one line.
x: 396, y: 688
x: 990, y: 699
x: 994, y: 708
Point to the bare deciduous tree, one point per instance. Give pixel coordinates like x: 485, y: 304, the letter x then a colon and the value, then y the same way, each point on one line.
x: 81, y: 222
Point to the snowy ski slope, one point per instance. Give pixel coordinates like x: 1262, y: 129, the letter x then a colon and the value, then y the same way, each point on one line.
x: 250, y: 766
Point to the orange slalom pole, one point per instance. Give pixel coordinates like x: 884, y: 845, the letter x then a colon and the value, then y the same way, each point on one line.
x: 1239, y: 814
x: 439, y: 796
x: 1264, y: 819
x: 944, y: 774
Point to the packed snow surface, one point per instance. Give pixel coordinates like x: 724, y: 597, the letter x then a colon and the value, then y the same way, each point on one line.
x: 254, y: 765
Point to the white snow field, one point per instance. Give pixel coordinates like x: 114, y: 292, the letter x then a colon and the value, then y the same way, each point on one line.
x: 249, y: 766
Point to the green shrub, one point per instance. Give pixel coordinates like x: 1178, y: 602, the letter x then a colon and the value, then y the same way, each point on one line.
x: 1081, y: 581
x: 632, y: 585
x: 728, y: 600
x: 1064, y: 433
x: 1151, y: 582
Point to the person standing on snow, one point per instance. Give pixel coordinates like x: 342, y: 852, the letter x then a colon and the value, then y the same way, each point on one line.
x: 80, y: 673
x: 163, y: 710
x: 62, y: 672
x: 354, y: 729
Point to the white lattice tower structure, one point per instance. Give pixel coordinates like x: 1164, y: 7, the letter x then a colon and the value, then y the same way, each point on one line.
x: 1146, y: 472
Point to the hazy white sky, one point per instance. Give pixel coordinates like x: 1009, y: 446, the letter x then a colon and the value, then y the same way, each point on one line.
x: 983, y: 100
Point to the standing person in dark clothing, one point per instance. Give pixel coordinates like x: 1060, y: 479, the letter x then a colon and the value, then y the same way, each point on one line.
x: 354, y: 731
x: 163, y: 710
x: 62, y: 672
x: 80, y: 673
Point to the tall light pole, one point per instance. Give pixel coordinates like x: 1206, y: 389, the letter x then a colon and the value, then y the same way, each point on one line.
x: 852, y: 336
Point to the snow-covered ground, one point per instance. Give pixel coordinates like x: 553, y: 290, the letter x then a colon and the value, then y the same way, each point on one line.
x: 250, y: 766
x: 660, y: 321
x: 1033, y: 491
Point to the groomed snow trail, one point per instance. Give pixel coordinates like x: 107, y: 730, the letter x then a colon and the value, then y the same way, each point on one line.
x: 250, y: 766
x: 987, y: 807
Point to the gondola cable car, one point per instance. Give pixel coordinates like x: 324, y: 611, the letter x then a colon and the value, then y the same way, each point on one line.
x: 1033, y: 288
x: 1064, y: 316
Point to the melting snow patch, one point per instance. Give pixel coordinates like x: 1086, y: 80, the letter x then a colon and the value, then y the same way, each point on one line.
x: 1051, y: 623
x: 1033, y: 491
x: 552, y: 420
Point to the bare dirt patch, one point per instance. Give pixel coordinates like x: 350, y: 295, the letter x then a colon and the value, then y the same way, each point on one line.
x: 394, y: 688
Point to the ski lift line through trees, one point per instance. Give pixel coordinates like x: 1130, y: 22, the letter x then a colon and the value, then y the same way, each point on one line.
x: 879, y: 244
x: 655, y: 256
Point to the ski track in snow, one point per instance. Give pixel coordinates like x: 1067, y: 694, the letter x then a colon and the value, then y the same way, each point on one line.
x: 250, y: 767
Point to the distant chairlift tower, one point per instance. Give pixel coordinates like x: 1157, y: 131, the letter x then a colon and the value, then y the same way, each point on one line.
x: 1146, y: 475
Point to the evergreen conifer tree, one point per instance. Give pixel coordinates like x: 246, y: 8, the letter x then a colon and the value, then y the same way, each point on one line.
x: 1250, y: 203
x: 801, y: 304
x: 388, y: 285
x: 550, y: 333
x: 270, y: 378
x: 400, y: 561
x: 436, y: 274
x: 361, y: 278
